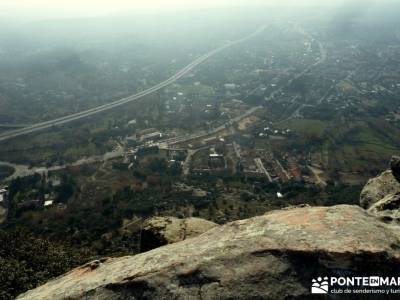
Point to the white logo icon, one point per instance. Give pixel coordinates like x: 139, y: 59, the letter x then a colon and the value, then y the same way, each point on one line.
x: 320, y: 286
x: 374, y: 281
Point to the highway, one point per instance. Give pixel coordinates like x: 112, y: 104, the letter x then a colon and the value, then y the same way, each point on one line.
x: 108, y: 106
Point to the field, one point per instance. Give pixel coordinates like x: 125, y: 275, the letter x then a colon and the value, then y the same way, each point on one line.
x: 346, y: 148
x: 306, y: 127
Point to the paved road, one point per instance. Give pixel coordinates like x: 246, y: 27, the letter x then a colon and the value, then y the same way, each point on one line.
x: 92, y: 111
x: 321, y: 60
x: 317, y: 172
x: 188, y: 160
x: 261, y: 168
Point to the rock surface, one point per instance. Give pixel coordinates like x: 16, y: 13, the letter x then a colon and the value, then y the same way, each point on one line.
x: 274, y: 256
x: 160, y: 231
x: 395, y: 167
x: 378, y: 188
x: 387, y: 209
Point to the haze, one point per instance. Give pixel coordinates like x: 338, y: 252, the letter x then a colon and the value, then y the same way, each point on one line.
x: 34, y: 9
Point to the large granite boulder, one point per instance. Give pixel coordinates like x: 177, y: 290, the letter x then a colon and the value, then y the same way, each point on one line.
x: 381, y: 195
x: 387, y: 209
x: 378, y: 188
x: 274, y: 256
x: 160, y: 231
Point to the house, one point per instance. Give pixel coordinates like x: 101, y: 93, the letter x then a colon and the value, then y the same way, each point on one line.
x: 132, y: 122
x: 216, y: 161
x: 48, y: 203
x: 230, y: 86
x: 215, y: 155
x: 151, y: 136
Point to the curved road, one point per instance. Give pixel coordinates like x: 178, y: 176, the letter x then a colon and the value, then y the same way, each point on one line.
x: 98, y: 109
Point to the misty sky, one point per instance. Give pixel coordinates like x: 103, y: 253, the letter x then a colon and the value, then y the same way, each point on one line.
x: 83, y: 8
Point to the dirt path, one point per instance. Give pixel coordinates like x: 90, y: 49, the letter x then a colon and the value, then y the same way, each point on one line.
x: 317, y: 174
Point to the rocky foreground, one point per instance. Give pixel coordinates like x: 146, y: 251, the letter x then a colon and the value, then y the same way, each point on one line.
x: 274, y: 256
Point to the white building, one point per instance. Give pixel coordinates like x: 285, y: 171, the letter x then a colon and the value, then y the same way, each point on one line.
x: 48, y: 203
x: 230, y: 86
x: 132, y: 122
